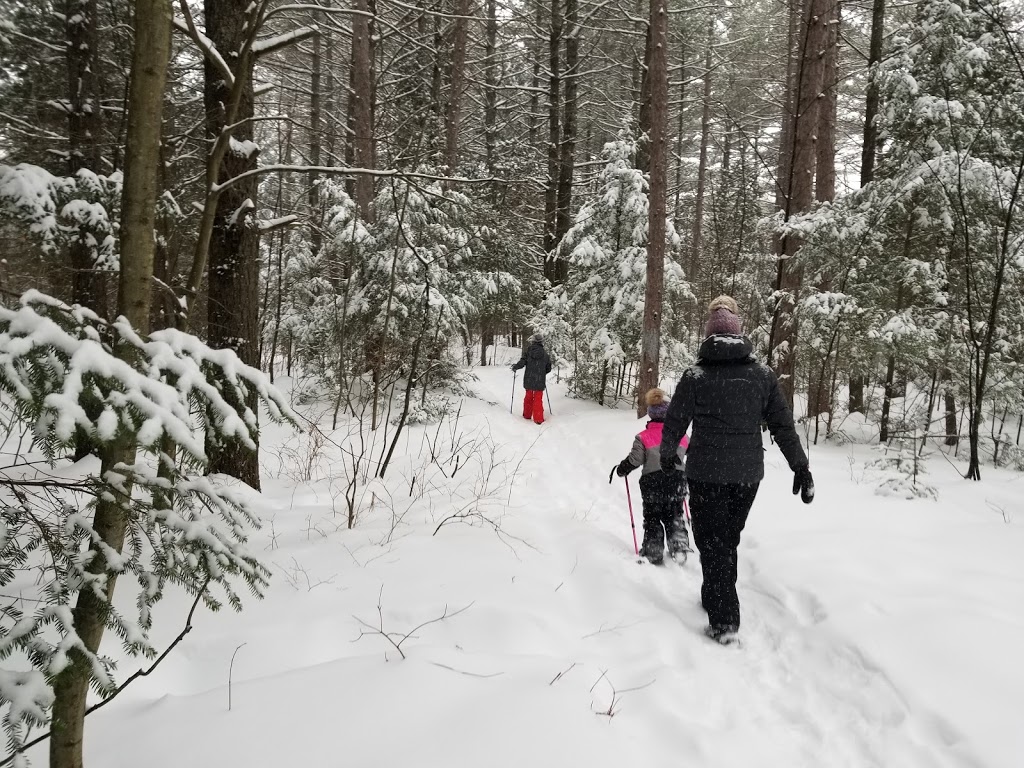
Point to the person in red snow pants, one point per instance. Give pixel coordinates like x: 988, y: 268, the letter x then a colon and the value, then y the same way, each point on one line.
x: 538, y: 365
x: 533, y: 405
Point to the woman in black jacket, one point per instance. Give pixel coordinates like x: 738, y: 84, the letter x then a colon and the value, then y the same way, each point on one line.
x: 726, y: 396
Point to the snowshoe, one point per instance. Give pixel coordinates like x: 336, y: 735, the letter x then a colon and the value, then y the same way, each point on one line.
x: 722, y: 635
x: 652, y: 556
x: 653, y: 548
x: 679, y: 555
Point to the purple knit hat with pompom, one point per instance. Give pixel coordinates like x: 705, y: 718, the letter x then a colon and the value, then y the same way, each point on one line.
x: 723, y: 317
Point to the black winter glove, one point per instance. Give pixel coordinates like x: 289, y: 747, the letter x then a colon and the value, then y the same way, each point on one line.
x: 623, y: 468
x: 803, y: 484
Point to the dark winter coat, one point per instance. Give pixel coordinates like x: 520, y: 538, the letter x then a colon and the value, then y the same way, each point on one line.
x: 537, y: 364
x: 727, y: 395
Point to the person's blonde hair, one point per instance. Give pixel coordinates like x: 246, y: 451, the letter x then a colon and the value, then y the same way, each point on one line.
x: 724, y: 302
x: 655, y: 396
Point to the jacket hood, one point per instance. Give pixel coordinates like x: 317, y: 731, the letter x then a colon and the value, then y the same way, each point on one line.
x: 535, y: 350
x: 725, y: 348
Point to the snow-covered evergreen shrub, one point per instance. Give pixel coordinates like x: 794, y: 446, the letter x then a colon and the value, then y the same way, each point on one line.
x: 429, y: 410
x: 62, y: 384
x: 58, y: 210
x: 602, y: 305
x: 433, y: 266
x: 899, y: 472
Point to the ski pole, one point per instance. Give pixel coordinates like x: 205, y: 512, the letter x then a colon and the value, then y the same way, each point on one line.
x: 548, y: 392
x: 512, y: 400
x: 686, y: 511
x: 632, y: 522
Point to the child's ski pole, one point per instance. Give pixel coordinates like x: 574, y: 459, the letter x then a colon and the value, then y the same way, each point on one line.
x: 632, y: 522
x: 548, y: 391
x: 512, y: 400
x: 686, y: 510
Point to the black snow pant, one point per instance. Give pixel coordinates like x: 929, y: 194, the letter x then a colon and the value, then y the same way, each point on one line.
x: 663, y: 516
x: 719, y: 513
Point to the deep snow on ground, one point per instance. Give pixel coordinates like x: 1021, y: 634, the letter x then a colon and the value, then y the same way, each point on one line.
x: 876, y: 631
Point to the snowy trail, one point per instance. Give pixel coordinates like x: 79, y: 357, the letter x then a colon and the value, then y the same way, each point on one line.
x: 803, y: 694
x: 567, y: 653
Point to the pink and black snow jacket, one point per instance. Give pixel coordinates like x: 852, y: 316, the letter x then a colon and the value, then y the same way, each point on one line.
x: 646, y: 451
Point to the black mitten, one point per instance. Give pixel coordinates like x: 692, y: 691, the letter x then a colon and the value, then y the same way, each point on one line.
x: 803, y: 484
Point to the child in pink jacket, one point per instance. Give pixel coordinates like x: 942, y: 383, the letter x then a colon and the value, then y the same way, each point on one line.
x: 662, y: 492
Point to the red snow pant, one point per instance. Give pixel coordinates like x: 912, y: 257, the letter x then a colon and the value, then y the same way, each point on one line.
x: 533, y: 405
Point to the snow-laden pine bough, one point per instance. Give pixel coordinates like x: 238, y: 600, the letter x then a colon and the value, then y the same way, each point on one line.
x: 65, y: 393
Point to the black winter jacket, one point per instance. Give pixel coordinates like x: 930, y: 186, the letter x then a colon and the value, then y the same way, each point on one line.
x: 726, y: 396
x: 537, y: 364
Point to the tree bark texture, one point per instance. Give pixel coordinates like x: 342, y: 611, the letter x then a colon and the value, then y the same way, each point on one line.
x: 798, y: 186
x: 567, y: 145
x: 643, y: 132
x: 538, y: 55
x: 820, y: 389
x: 491, y: 86
x: 869, y: 149
x: 702, y: 162
x: 650, y: 350
x: 361, y: 107
x: 453, y: 112
x: 233, y: 267
x: 315, y: 237
x: 554, y: 136
x: 139, y: 196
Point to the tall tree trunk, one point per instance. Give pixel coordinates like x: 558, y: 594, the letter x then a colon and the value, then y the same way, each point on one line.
x: 453, y: 112
x: 702, y: 163
x: 869, y: 150
x: 949, y: 398
x: 138, y: 218
x: 798, y: 187
x: 88, y: 283
x: 329, y: 106
x: 538, y: 55
x: 825, y: 146
x: 567, y: 146
x: 679, y: 130
x: 491, y: 87
x: 361, y: 107
x: 819, y: 398
x: 233, y: 271
x: 315, y: 129
x: 887, y: 396
x: 554, y: 137
x: 643, y: 132
x: 650, y: 347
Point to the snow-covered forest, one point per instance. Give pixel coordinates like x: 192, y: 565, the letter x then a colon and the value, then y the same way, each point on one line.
x: 264, y: 266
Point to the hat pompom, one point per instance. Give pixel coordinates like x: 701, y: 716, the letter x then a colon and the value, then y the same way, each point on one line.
x: 724, y: 302
x: 655, y: 396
